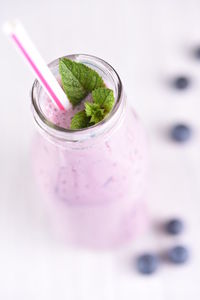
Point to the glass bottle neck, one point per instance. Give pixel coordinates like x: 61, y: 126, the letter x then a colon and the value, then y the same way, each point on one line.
x: 64, y: 137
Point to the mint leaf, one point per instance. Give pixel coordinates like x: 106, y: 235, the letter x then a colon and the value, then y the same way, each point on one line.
x: 95, y: 112
x: 104, y: 98
x: 78, y: 80
x: 103, y: 101
x: 80, y: 120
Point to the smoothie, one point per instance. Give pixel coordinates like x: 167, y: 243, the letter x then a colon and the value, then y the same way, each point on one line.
x: 93, y: 181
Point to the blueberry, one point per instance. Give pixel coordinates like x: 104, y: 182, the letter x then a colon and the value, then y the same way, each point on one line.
x: 147, y: 263
x: 178, y: 255
x: 181, y: 133
x: 181, y: 82
x: 174, y: 226
x: 197, y: 52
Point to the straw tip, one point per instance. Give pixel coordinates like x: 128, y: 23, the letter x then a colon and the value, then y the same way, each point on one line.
x: 9, y: 26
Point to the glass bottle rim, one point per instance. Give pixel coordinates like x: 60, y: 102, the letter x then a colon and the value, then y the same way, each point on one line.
x: 80, y: 134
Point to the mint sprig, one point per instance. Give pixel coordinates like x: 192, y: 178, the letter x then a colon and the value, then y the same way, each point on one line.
x: 78, y: 80
x: 103, y: 101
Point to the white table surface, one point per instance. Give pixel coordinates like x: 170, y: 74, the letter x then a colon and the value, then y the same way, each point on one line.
x: 147, y: 42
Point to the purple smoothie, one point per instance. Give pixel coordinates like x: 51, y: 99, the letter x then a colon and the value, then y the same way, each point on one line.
x: 94, y: 186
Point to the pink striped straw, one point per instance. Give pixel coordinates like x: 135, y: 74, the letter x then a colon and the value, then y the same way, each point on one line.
x: 19, y: 36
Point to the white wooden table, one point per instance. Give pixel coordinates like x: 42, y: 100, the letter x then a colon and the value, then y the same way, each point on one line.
x: 148, y: 42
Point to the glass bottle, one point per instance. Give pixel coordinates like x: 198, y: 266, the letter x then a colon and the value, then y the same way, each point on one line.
x: 92, y: 180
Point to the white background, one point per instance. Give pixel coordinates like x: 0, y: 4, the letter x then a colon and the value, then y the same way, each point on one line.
x: 148, y: 42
